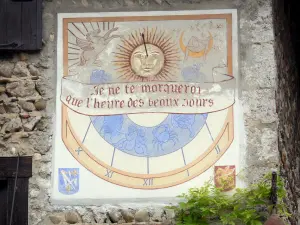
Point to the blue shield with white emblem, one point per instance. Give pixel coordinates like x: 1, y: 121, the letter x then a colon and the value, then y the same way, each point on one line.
x: 68, y: 183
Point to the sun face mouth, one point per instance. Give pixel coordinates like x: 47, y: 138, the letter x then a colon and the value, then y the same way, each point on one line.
x: 147, y: 69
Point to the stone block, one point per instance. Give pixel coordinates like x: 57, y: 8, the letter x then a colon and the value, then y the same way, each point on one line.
x: 21, y: 88
x: 40, y: 104
x: 127, y: 215
x: 142, y: 215
x: 30, y: 123
x: 33, y: 70
x: 259, y: 105
x: 27, y: 106
x: 6, y: 68
x: 14, y: 125
x: 21, y: 69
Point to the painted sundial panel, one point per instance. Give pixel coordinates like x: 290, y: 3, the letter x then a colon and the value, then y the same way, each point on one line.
x: 146, y: 103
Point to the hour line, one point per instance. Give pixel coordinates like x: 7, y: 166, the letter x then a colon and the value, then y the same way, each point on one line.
x: 79, y: 148
x: 112, y: 158
x: 217, y: 147
x: 148, y: 165
x: 188, y: 173
x: 87, y: 130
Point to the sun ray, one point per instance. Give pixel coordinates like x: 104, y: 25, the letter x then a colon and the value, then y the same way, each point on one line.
x: 92, y: 25
x: 74, y: 48
x: 122, y: 54
x: 85, y: 27
x: 73, y: 64
x: 73, y: 44
x: 78, y: 29
x: 72, y: 33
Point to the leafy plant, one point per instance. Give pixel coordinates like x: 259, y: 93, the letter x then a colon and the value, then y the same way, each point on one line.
x: 247, y: 206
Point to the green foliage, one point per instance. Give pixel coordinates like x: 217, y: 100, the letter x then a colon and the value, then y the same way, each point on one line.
x: 208, y: 203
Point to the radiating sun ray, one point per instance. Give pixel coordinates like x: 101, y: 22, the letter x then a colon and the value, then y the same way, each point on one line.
x: 85, y: 27
x: 74, y: 64
x: 152, y: 36
x: 78, y: 29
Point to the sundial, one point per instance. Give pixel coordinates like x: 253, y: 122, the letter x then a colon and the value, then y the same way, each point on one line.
x: 145, y: 102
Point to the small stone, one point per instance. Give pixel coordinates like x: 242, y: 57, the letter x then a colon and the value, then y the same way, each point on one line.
x: 52, y: 37
x: 21, y: 69
x: 2, y: 109
x: 85, y: 3
x: 2, y: 89
x: 21, y: 88
x: 158, y: 1
x: 35, y: 193
x: 43, y: 65
x: 170, y: 213
x: 6, y: 69
x: 41, y: 87
x: 30, y: 125
x: 72, y: 218
x: 6, y: 136
x: 14, y: 125
x: 34, y: 77
x: 127, y: 216
x: 37, y: 157
x: 4, y: 98
x: 33, y: 70
x: 142, y: 216
x: 115, y: 216
x: 55, y: 219
x: 40, y: 104
x: 3, y: 120
x: 27, y: 106
x: 43, y: 124
x: 12, y: 107
x: 24, y: 115
x: 143, y: 2
x: 23, y: 135
x: 23, y: 56
x: 157, y: 215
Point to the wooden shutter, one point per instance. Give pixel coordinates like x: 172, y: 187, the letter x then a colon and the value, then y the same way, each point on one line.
x: 20, y: 24
x: 8, y: 167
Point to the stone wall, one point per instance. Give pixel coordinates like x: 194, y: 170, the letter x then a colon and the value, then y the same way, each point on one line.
x: 28, y: 103
x: 287, y: 97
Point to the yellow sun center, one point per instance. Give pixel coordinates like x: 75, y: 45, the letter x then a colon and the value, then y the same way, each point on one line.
x: 147, y: 63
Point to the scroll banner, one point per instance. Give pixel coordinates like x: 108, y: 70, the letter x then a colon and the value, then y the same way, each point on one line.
x: 147, y: 97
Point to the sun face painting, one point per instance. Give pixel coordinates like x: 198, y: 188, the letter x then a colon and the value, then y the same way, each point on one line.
x: 144, y: 109
x: 147, y: 55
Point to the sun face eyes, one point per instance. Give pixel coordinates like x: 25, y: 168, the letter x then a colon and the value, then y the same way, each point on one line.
x: 140, y: 55
x: 143, y: 55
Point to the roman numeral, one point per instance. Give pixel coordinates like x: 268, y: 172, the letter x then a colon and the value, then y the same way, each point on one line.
x: 109, y: 173
x: 148, y: 182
